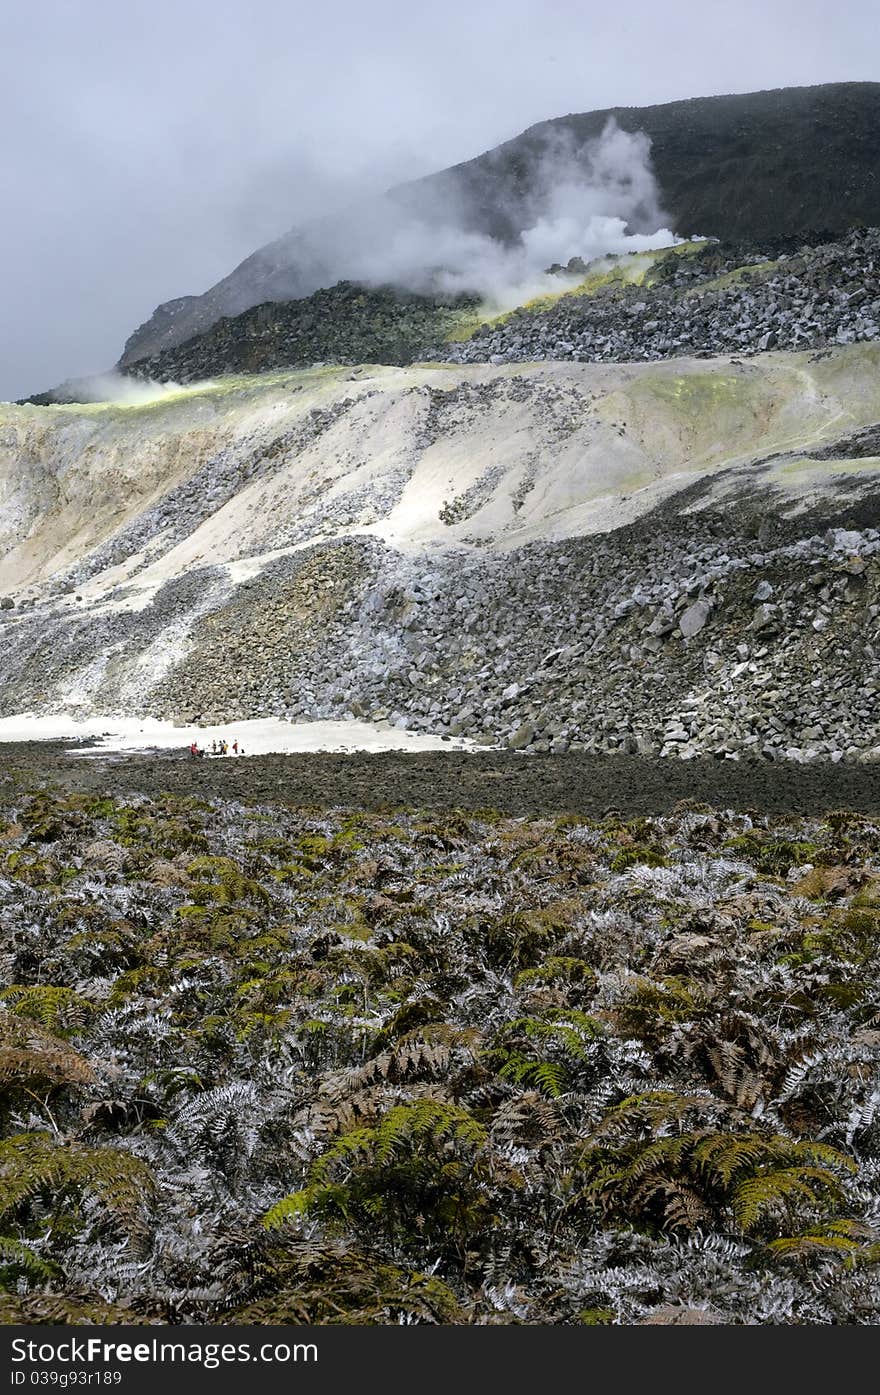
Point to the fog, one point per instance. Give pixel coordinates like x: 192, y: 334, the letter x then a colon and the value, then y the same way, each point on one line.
x: 148, y: 148
x: 596, y: 200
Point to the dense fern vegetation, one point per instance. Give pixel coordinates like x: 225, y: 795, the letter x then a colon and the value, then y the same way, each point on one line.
x: 268, y: 1066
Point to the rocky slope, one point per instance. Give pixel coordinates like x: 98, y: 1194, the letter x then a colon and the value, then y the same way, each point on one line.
x: 747, y: 165
x: 347, y: 324
x: 672, y: 558
x: 705, y: 298
x: 753, y: 165
x: 827, y: 294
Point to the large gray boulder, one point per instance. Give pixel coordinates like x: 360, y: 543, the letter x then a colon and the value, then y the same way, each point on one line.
x: 694, y: 618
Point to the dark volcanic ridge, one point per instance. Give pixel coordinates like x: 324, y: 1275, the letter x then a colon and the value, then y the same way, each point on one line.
x: 722, y: 298
x: 758, y: 166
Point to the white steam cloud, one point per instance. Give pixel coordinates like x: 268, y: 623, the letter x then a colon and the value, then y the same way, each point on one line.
x: 492, y: 229
x: 129, y: 392
x: 123, y: 391
x: 589, y: 202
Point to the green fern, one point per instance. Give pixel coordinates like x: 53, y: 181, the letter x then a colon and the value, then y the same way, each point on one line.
x: 33, y: 1165
x: 773, y: 1196
x: 652, y: 856
x: 59, y: 1010
x: 754, y: 1181
x: 652, y: 1008
x: 567, y: 1032
x: 18, y: 1261
x: 574, y: 976
x: 290, y: 1208
x: 850, y: 1241
x: 230, y: 885
x: 28, y: 866
x: 547, y: 1076
x: 339, y: 1287
x: 418, y: 1172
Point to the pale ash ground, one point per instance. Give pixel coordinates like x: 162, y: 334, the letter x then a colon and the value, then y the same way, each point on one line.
x: 258, y: 738
x: 431, y: 460
x: 553, y: 450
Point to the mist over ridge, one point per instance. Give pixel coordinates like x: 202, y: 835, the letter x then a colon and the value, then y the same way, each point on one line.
x: 752, y: 166
x: 589, y: 199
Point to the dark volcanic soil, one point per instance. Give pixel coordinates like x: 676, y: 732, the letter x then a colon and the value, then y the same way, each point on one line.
x: 512, y: 783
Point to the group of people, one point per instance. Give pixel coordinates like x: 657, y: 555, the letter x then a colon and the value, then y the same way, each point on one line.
x: 218, y: 748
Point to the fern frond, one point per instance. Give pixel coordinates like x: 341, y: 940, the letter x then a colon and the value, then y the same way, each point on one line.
x: 60, y: 1011
x: 289, y: 1208
x: 107, y: 856
x: 847, y: 1239
x: 33, y: 1164
x: 528, y: 1121
x: 32, y: 1058
x: 777, y: 1193
x: 720, y: 1157
x: 44, y: 1309
x: 18, y: 1258
x: 685, y: 1209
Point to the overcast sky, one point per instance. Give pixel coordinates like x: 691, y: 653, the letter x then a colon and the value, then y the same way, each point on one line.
x: 147, y: 146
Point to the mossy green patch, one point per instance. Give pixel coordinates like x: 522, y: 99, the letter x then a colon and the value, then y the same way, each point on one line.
x: 695, y: 394
x: 804, y: 464
x: 738, y: 276
x: 629, y: 268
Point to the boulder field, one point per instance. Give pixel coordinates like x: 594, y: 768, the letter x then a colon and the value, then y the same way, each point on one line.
x: 670, y: 559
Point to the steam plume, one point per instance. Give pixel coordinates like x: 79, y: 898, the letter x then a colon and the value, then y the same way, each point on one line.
x: 588, y: 201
